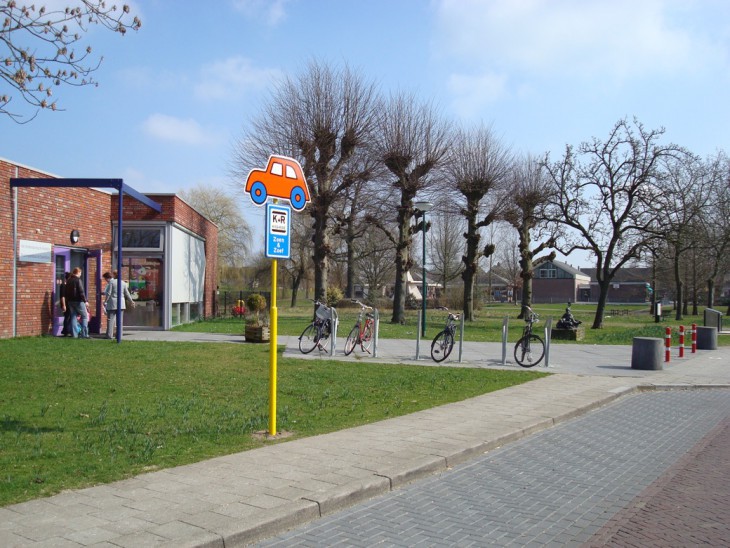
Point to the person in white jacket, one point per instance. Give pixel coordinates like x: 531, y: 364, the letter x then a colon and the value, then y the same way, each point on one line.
x: 111, y: 302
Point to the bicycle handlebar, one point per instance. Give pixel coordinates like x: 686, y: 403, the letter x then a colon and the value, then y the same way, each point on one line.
x: 363, y: 306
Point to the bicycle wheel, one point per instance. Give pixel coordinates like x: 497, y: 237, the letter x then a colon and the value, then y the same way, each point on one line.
x: 351, y: 340
x: 529, y: 351
x: 441, y: 346
x: 367, y: 337
x: 308, y: 339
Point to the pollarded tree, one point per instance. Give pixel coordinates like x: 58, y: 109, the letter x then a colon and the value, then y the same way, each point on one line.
x: 411, y: 141
x: 323, y: 117
x: 603, y: 193
x: 39, y: 52
x: 529, y: 195
x: 478, y: 170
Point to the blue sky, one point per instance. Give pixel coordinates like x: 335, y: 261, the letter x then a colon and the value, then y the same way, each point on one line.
x: 173, y: 97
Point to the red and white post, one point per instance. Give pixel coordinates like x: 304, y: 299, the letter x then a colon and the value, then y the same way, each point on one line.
x: 681, y: 341
x: 668, y: 345
x: 694, y: 338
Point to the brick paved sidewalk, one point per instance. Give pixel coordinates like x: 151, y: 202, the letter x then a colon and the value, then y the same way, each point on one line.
x: 689, y: 505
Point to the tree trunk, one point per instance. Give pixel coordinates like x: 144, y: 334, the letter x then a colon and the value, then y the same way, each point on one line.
x: 319, y: 257
x: 296, y: 281
x: 402, y: 261
x: 526, y: 269
x: 470, y: 260
x: 603, y: 286
x: 678, y: 282
x: 349, y: 241
x: 711, y: 293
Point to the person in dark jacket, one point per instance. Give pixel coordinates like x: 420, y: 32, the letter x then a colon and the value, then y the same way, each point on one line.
x: 66, y: 331
x: 78, y: 303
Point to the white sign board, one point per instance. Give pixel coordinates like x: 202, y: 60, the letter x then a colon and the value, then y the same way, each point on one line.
x: 34, y: 252
x: 278, y: 223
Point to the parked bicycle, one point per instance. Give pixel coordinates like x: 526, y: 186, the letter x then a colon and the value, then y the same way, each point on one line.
x: 363, y: 332
x: 317, y: 333
x: 443, y: 343
x: 530, y: 349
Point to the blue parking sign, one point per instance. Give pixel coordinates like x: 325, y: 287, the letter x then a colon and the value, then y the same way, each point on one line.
x: 278, y: 231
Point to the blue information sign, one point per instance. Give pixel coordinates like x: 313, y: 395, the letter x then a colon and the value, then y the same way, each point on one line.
x: 278, y: 231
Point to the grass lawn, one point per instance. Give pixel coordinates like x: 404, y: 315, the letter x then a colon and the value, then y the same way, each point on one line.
x: 77, y: 413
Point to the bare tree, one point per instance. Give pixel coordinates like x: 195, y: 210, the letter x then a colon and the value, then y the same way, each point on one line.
x: 715, y: 223
x: 478, y: 168
x: 234, y: 234
x: 359, y: 201
x: 603, y: 194
x: 507, y: 254
x: 529, y: 195
x: 376, y: 262
x: 40, y: 53
x: 300, y: 260
x: 323, y: 117
x: 411, y: 141
x: 446, y: 245
x: 683, y: 197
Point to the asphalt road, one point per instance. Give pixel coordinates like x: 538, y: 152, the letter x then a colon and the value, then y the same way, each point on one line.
x: 649, y: 470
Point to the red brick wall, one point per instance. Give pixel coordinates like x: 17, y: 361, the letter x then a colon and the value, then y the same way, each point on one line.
x: 49, y: 215
x: 553, y: 290
x: 44, y: 215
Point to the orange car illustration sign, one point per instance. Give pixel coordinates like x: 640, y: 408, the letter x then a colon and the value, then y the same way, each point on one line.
x: 282, y: 178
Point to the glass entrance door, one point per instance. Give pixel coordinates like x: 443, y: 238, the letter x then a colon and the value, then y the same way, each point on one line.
x: 145, y: 276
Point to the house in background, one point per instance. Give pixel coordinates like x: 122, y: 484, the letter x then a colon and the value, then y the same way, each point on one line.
x: 558, y: 282
x: 495, y: 287
x: 629, y: 285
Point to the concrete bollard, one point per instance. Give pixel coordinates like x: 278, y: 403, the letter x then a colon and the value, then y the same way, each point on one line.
x: 706, y: 338
x: 646, y: 353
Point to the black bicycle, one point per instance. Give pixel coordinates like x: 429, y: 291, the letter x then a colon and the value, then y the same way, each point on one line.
x: 443, y: 343
x: 530, y: 349
x: 317, y: 333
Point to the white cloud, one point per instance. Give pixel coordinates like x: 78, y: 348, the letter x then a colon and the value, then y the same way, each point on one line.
x: 611, y: 40
x: 231, y: 78
x: 272, y: 11
x: 188, y: 131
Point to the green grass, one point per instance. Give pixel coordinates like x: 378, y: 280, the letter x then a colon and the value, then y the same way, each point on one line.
x: 487, y: 327
x: 77, y: 413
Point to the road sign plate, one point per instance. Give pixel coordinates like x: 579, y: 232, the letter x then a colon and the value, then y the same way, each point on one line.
x: 278, y: 231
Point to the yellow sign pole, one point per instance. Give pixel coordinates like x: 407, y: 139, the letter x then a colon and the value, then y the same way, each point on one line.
x: 273, y: 321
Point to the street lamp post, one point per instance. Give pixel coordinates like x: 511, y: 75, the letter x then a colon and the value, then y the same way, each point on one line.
x: 422, y: 208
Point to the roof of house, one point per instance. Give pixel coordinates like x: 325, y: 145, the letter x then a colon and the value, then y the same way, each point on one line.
x: 570, y: 269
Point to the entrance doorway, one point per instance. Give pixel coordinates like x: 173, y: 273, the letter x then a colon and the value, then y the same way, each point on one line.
x: 89, y: 261
x: 145, y: 275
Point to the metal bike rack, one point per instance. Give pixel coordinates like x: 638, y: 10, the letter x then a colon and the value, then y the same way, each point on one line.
x: 461, y: 334
x: 505, y: 325
x: 418, y: 339
x: 548, y: 331
x: 376, y: 322
x: 335, y: 319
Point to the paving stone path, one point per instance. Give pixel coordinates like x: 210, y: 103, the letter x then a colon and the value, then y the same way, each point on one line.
x: 609, y: 477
